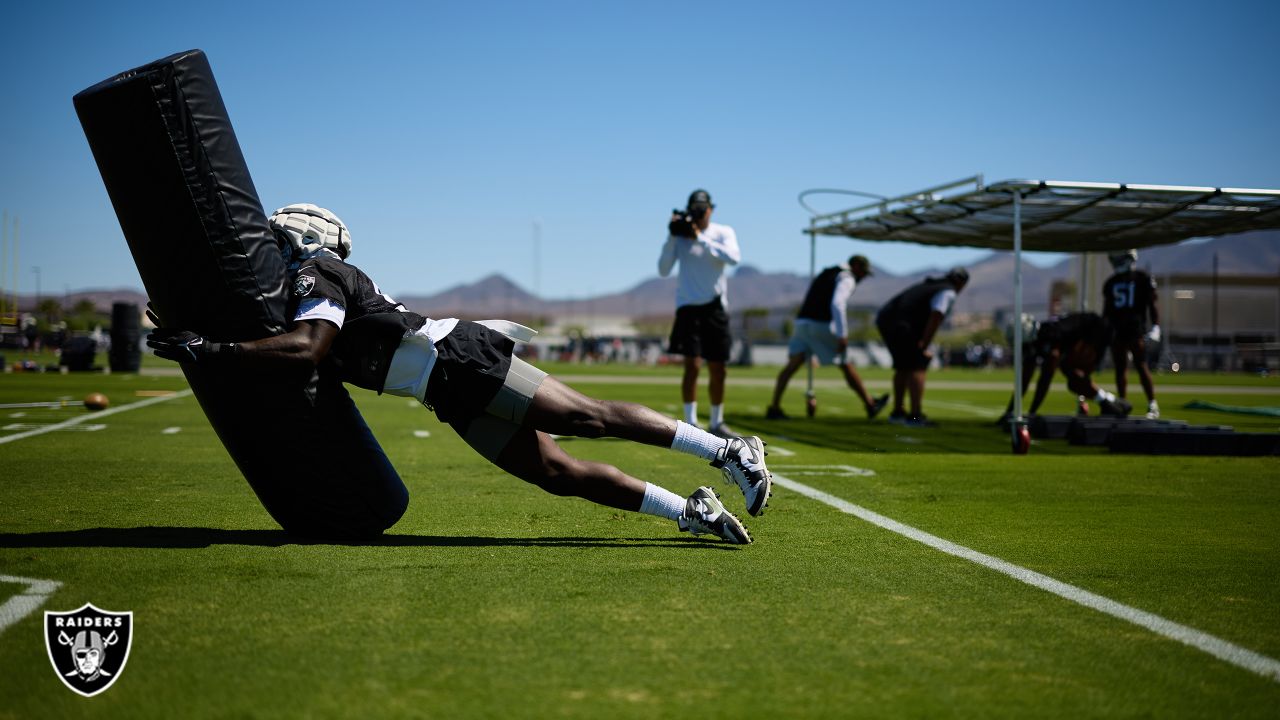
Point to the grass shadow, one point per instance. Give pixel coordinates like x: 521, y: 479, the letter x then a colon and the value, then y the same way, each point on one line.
x: 201, y: 537
x: 953, y: 435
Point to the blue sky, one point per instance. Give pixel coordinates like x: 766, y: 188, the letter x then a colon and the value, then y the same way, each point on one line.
x: 440, y: 132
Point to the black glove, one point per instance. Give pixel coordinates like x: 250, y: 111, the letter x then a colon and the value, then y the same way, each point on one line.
x: 186, y: 346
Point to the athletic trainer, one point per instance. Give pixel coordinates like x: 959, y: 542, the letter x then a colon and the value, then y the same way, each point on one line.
x: 908, y: 323
x: 822, y: 331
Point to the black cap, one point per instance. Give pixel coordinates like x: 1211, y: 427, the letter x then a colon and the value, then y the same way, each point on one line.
x: 699, y: 198
x: 958, y: 275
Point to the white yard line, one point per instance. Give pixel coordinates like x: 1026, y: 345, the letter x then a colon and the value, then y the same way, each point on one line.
x: 27, y: 601
x: 970, y: 408
x: 779, y: 451
x: 92, y: 416
x: 1217, y: 647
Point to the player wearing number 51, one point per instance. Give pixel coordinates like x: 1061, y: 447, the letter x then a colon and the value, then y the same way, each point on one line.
x: 1128, y: 298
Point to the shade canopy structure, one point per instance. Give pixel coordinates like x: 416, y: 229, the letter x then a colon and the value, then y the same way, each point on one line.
x: 1048, y: 215
x: 1056, y: 216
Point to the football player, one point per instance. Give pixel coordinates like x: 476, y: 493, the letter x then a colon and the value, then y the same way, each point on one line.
x: 465, y: 372
x: 1129, y: 298
x: 1073, y: 343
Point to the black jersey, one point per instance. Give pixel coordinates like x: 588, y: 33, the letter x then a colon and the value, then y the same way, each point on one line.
x: 372, y: 324
x: 817, y: 301
x: 1127, y: 300
x: 913, y: 306
x: 1064, y: 332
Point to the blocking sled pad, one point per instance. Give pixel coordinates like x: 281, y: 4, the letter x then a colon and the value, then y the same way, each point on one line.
x: 191, y: 216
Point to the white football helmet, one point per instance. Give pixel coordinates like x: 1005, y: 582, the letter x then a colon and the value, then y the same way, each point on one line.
x: 1030, y: 329
x: 308, y: 229
x: 1123, y: 260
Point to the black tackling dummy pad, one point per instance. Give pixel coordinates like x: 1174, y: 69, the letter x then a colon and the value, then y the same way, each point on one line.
x: 189, y: 211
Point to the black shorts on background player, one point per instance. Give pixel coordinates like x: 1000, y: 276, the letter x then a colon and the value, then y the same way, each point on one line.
x: 903, y: 342
x: 702, y: 331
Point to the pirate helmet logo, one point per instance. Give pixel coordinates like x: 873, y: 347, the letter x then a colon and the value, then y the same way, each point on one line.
x: 88, y: 647
x: 303, y: 284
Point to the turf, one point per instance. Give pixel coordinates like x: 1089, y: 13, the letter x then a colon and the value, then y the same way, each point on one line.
x: 492, y: 599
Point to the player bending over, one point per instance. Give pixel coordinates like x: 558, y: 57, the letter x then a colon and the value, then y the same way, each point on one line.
x: 1073, y: 343
x: 503, y: 407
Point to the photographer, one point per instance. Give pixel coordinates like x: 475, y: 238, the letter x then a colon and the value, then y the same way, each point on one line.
x: 704, y: 251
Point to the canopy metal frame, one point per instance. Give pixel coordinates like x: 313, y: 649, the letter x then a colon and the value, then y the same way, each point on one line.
x: 1045, y: 215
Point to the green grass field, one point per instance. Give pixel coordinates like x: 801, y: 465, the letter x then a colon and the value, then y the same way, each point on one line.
x: 493, y: 599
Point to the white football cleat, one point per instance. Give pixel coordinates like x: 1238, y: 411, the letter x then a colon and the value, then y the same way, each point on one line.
x: 1153, y: 410
x: 704, y: 514
x: 742, y: 462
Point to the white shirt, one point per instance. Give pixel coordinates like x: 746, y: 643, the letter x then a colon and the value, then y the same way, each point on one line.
x: 845, y: 284
x: 703, y: 264
x: 942, y: 300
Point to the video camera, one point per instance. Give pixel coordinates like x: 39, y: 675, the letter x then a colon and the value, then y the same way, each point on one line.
x: 681, y: 224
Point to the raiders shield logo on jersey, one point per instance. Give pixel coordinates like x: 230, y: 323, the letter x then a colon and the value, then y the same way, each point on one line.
x: 303, y: 285
x: 88, y: 647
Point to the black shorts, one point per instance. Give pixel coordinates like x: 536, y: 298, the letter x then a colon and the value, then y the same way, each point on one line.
x: 702, y: 331
x: 471, y: 366
x: 903, y: 343
x: 1129, y: 329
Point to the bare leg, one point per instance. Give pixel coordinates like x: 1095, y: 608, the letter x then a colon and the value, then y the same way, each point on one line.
x: 1144, y: 371
x: 561, y: 410
x: 915, y: 388
x: 534, y: 457
x: 793, y: 363
x: 899, y: 389
x: 1120, y: 356
x: 715, y: 388
x: 689, y: 383
x: 855, y: 383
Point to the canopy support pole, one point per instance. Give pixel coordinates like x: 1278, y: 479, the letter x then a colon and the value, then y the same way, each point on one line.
x: 810, y: 398
x: 1018, y: 421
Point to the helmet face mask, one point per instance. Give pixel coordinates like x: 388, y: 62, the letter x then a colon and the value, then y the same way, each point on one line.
x: 1123, y: 260
x: 1030, y: 329
x: 304, y: 230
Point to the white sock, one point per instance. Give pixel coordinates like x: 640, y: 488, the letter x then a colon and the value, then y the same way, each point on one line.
x: 717, y: 415
x: 1104, y: 396
x: 696, y: 442
x: 661, y: 502
x: 691, y: 413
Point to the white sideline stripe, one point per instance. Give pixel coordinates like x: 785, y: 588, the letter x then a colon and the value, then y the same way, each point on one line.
x: 780, y: 451
x: 1217, y: 647
x: 93, y: 416
x: 27, y: 601
x: 967, y: 407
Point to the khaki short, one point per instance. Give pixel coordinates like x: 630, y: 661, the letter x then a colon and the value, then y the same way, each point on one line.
x: 490, y: 433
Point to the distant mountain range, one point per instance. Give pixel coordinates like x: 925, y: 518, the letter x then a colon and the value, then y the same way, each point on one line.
x: 990, y: 284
